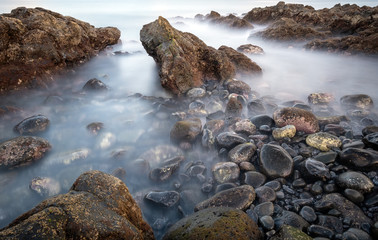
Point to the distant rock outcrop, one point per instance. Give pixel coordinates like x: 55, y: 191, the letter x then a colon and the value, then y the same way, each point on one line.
x: 37, y: 43
x: 98, y: 206
x: 186, y: 62
x: 231, y: 20
x: 343, y: 28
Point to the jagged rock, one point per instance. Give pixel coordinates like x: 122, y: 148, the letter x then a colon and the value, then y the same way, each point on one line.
x: 230, y: 20
x: 215, y: 223
x: 36, y: 43
x: 185, y: 61
x: 250, y: 49
x: 98, y: 206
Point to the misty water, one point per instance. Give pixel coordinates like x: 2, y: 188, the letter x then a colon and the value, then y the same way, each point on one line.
x: 131, y: 125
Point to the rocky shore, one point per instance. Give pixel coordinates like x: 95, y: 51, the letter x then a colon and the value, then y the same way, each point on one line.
x: 239, y: 164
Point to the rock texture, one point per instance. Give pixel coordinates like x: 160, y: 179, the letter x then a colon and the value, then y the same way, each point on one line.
x: 36, y: 43
x: 186, y: 62
x: 215, y: 223
x: 231, y: 20
x: 98, y: 206
x: 343, y: 28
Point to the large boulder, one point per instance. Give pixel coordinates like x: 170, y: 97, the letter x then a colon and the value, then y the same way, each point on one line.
x: 36, y: 43
x: 185, y: 61
x: 98, y: 206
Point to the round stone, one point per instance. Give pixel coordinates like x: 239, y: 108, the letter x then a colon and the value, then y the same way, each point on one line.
x: 371, y: 140
x: 94, y: 85
x: 287, y: 131
x: 238, y: 197
x: 308, y: 214
x: 313, y: 170
x: 358, y: 233
x: 186, y: 130
x: 320, y: 98
x: 320, y: 231
x: 292, y: 219
x: 263, y: 119
x: 196, y: 93
x: 267, y: 222
x: 356, y: 181
x: 167, y: 198
x: 353, y: 195
x: 359, y: 159
x: 275, y: 185
x: 265, y: 194
x: 226, y: 172
x: 242, y: 152
x: 246, y: 166
x: 33, y: 124
x: 290, y: 233
x: 357, y: 101
x: 244, y: 126
x: 323, y: 141
x: 303, y: 120
x: 238, y: 87
x: 253, y: 178
x: 275, y: 161
x: 264, y: 209
x: 229, y: 140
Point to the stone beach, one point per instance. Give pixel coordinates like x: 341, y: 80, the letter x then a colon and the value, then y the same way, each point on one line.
x: 230, y: 163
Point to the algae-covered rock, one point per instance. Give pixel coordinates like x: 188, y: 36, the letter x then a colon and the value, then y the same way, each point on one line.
x: 186, y: 62
x: 323, y: 141
x: 288, y: 232
x: 215, y: 223
x: 287, y: 131
x: 303, y: 120
x: 98, y: 206
x: 36, y: 43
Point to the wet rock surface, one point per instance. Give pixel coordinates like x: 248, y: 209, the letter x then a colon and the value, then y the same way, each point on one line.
x: 84, y: 212
x: 32, y: 125
x: 186, y: 62
x: 215, y: 223
x: 21, y: 151
x: 303, y: 120
x: 38, y: 43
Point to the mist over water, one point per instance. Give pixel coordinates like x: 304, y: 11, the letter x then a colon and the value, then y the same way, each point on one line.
x: 289, y: 73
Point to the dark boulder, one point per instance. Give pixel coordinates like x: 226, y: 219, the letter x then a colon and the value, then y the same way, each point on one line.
x: 36, y: 43
x: 185, y: 61
x: 98, y: 206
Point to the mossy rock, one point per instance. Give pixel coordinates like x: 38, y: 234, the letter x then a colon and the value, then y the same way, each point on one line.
x: 215, y: 223
x: 288, y: 232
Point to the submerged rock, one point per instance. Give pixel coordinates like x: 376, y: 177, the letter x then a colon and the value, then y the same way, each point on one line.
x: 215, y: 223
x: 94, y: 85
x: 186, y: 130
x: 250, y: 49
x: 98, y: 206
x: 45, y: 186
x: 231, y: 20
x: 361, y: 101
x: 167, y: 198
x: 32, y: 125
x: 22, y: 150
x: 38, y: 43
x: 303, y: 120
x: 184, y: 60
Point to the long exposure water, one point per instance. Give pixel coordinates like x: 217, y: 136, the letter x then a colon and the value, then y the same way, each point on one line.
x: 289, y: 73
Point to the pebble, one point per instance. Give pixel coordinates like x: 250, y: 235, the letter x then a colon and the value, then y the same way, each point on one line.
x: 292, y: 219
x: 242, y: 152
x: 234, y: 107
x: 358, y: 233
x: 246, y: 166
x: 224, y: 186
x: 32, y: 125
x: 371, y: 140
x: 226, y: 172
x: 229, y: 140
x: 331, y: 222
x: 166, y: 198
x: 320, y: 98
x: 244, y: 126
x: 265, y: 194
x: 186, y: 130
x: 95, y: 127
x: 275, y: 161
x: 253, y: 178
x: 267, y: 222
x: 264, y: 209
x: 323, y: 141
x: 196, y: 93
x: 361, y: 101
x: 213, y: 107
x: 239, y: 87
x: 353, y: 195
x: 275, y: 185
x: 238, y: 197
x: 313, y: 170
x: 287, y: 131
x: 263, y: 119
x: 320, y: 231
x: 303, y: 120
x: 308, y: 214
x: 256, y: 107
x: 356, y: 181
x: 359, y: 159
